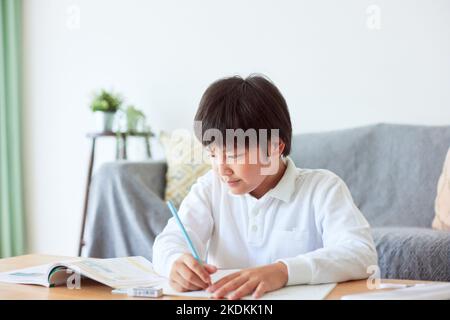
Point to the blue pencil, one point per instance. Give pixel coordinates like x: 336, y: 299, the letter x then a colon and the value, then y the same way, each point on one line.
x: 183, y: 230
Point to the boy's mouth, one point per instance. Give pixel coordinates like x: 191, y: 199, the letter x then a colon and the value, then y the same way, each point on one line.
x: 232, y: 183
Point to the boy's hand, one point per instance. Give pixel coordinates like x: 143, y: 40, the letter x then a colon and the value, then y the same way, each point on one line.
x: 257, y: 280
x: 188, y: 275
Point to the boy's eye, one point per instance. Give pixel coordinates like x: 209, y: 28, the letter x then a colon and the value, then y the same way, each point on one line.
x: 211, y: 155
x: 228, y: 156
x: 234, y: 156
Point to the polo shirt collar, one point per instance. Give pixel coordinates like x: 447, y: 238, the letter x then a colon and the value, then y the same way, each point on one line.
x: 284, y: 188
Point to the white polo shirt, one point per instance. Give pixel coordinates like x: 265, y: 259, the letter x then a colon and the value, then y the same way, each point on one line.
x: 307, y: 221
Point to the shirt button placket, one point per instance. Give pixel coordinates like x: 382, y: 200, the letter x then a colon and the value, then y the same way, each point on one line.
x: 252, y: 226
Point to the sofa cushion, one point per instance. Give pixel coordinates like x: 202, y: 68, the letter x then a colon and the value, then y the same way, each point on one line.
x: 391, y: 170
x: 413, y: 253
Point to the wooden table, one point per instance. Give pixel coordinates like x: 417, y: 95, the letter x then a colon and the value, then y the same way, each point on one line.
x: 92, y: 290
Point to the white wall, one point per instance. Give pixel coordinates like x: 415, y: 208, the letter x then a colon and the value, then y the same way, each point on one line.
x: 334, y: 71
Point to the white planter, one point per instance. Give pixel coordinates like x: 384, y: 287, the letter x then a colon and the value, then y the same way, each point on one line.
x: 104, y: 121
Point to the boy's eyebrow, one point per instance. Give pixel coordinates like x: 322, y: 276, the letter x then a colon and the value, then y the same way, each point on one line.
x: 235, y: 150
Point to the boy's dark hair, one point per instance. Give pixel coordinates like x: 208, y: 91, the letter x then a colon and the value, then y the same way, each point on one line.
x: 250, y: 103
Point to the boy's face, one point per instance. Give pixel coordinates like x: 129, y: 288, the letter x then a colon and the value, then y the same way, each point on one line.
x: 244, y: 169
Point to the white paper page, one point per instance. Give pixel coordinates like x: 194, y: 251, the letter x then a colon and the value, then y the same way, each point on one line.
x: 301, y: 292
x: 219, y: 274
x: 120, y: 272
x: 434, y: 291
x: 33, y: 275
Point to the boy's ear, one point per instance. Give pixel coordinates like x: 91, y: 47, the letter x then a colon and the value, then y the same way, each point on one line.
x: 277, y: 149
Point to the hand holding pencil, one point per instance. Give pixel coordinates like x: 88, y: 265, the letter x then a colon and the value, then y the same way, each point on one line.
x: 187, y: 274
x: 188, y: 271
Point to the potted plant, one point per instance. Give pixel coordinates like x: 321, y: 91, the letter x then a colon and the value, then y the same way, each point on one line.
x: 131, y: 120
x: 135, y: 119
x: 104, y: 105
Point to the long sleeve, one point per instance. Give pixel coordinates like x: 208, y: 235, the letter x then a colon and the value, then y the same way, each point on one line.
x: 196, y: 215
x: 348, y: 247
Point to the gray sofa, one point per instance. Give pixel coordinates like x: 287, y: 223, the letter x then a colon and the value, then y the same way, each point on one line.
x: 391, y: 170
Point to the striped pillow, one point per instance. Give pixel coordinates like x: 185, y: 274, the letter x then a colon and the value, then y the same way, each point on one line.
x: 185, y: 161
x: 442, y: 204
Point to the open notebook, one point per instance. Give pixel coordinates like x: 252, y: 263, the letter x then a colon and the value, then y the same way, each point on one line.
x: 138, y: 272
x: 300, y: 292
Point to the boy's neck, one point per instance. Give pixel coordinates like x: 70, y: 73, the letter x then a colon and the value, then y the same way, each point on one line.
x: 270, y: 182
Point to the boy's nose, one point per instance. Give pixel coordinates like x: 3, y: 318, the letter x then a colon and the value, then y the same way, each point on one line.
x: 224, y: 170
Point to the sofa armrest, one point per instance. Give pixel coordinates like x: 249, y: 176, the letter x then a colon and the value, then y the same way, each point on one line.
x: 413, y: 253
x: 151, y: 173
x: 126, y: 211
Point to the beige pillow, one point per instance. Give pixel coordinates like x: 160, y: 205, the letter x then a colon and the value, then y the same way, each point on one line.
x: 442, y: 204
x: 186, y: 162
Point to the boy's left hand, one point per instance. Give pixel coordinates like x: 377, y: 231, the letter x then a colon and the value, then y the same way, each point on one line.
x: 254, y: 280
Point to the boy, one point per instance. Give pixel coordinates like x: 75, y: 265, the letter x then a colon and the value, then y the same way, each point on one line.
x: 255, y: 210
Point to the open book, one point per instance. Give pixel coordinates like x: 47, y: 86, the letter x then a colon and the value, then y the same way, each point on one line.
x: 130, y: 272
x: 116, y: 272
